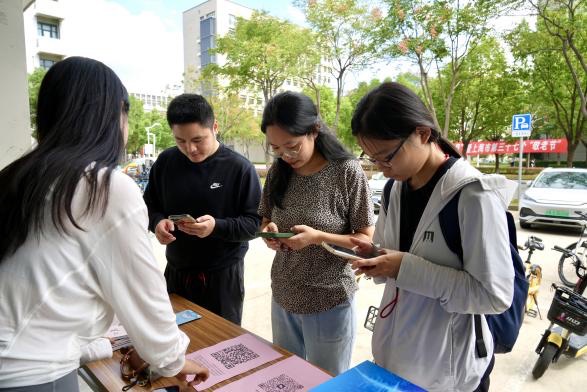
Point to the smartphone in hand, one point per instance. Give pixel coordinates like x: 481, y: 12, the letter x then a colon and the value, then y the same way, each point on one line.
x: 182, y: 218
x: 273, y: 235
x: 341, y: 251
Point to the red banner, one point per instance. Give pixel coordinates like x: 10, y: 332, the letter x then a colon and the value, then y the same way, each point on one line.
x: 542, y: 146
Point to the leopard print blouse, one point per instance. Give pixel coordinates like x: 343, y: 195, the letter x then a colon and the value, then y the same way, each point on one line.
x: 337, y: 199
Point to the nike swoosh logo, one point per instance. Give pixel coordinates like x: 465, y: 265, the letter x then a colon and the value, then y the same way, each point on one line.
x: 215, y: 185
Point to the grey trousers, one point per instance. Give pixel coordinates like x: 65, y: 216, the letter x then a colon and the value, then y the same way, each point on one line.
x: 67, y: 383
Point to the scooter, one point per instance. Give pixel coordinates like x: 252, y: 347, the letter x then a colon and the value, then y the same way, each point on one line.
x: 533, y: 275
x: 568, y: 322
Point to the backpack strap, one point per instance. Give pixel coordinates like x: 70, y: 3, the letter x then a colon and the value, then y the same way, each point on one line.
x: 386, y: 194
x: 451, y: 230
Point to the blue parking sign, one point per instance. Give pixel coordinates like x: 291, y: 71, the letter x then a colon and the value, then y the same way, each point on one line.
x: 522, y: 125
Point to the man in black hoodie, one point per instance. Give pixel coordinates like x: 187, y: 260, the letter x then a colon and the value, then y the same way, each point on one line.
x: 220, y: 189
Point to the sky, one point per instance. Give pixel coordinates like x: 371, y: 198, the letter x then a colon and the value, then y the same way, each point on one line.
x: 141, y: 40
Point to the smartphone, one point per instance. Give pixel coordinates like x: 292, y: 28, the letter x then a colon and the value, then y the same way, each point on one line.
x: 341, y: 251
x: 185, y: 316
x: 182, y: 218
x: 171, y: 388
x: 269, y: 234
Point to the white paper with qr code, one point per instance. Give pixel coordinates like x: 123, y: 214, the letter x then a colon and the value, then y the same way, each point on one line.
x: 290, y: 375
x: 232, y: 357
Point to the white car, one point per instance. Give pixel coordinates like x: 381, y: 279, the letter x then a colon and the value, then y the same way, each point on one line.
x: 553, y: 197
x: 376, y: 183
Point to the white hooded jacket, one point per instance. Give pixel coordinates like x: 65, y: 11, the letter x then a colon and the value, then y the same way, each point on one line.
x: 429, y: 337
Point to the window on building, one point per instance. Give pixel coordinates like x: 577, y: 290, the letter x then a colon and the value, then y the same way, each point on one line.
x: 259, y: 101
x: 48, y: 29
x: 231, y: 21
x: 46, y: 63
x: 207, y: 41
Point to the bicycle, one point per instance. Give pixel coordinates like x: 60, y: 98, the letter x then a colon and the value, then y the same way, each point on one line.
x: 568, y: 321
x: 577, y: 253
x: 533, y: 275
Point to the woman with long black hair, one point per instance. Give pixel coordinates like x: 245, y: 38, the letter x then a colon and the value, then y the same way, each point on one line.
x: 74, y: 248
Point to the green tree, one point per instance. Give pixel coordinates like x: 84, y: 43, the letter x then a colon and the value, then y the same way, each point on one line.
x: 137, y: 122
x: 550, y: 81
x: 489, y: 94
x: 566, y: 22
x: 262, y: 52
x: 35, y: 79
x: 345, y: 37
x: 437, y: 34
x: 410, y: 80
x: 362, y: 89
x: 235, y: 123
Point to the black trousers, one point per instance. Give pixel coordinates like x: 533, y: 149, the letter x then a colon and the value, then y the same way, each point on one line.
x: 220, y: 291
x: 484, y: 384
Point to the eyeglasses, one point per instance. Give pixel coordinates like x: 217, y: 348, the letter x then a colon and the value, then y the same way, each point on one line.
x: 387, y: 160
x: 288, y: 152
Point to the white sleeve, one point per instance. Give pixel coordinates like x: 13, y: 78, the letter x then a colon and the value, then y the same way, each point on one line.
x: 97, y: 349
x: 133, y: 285
x: 486, y: 284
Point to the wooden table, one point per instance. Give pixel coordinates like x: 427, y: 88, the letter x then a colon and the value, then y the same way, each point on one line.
x: 104, y: 375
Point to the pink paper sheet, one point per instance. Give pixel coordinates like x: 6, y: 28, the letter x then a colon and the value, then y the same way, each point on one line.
x: 291, y: 374
x: 231, y: 357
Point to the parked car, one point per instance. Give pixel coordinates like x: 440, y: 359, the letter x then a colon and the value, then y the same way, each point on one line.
x: 553, y: 197
x: 376, y: 183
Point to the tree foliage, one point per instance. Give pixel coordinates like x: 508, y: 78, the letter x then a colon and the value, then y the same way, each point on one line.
x: 488, y: 96
x: 262, y: 52
x: 550, y: 81
x: 344, y: 36
x: 34, y: 81
x: 566, y: 22
x: 438, y: 34
x: 235, y: 123
x: 139, y: 120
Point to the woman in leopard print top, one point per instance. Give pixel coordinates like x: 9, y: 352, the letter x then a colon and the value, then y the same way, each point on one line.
x: 316, y: 189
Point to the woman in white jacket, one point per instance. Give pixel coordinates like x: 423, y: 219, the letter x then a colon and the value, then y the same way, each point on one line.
x: 425, y: 331
x: 74, y: 248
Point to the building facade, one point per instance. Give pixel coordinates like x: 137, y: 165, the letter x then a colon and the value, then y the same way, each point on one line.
x: 46, y: 33
x: 158, y: 100
x: 205, y: 22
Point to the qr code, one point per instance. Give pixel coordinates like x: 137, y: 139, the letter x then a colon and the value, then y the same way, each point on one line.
x: 281, y: 383
x: 234, y: 355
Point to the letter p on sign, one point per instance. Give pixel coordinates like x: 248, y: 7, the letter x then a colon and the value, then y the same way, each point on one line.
x: 522, y: 125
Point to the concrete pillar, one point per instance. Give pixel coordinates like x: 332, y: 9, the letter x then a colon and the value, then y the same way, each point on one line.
x: 15, y: 130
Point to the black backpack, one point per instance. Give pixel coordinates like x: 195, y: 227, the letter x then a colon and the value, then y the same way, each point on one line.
x: 505, y: 326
